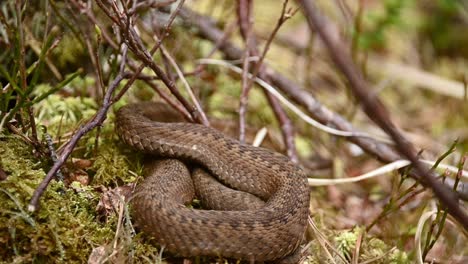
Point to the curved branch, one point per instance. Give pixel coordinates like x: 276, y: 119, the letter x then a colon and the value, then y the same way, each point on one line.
x: 376, y: 110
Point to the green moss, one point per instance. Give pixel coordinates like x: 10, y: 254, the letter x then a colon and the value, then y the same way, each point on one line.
x: 60, y: 113
x: 112, y: 165
x: 65, y: 229
x: 345, y: 243
x: 371, y: 248
x: 69, y: 51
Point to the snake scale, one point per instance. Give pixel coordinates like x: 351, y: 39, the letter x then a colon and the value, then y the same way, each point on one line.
x: 266, y: 224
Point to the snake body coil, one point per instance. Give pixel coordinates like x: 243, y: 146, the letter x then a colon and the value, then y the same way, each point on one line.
x: 260, y: 233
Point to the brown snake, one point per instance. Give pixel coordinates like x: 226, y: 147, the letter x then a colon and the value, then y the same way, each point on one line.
x: 247, y: 228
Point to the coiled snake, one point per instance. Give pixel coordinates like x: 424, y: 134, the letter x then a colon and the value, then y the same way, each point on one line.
x: 267, y: 224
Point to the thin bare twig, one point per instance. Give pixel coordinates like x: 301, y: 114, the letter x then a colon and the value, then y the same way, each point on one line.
x: 307, y: 118
x: 83, y: 130
x: 88, y: 11
x: 140, y: 68
x: 246, y: 25
x: 144, y: 5
x: 187, y: 86
x: 53, y: 153
x: 287, y: 127
x: 381, y: 151
x: 286, y: 13
x: 171, y: 102
x: 97, y: 120
x: 376, y: 110
x: 135, y: 44
x: 245, y: 21
x: 226, y: 34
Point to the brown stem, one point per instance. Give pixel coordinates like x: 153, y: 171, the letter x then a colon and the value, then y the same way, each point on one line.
x: 376, y: 110
x: 245, y: 21
x: 286, y: 125
x: 97, y: 120
x: 135, y: 44
x: 67, y: 150
x: 148, y: 79
x: 314, y: 108
x: 244, y: 17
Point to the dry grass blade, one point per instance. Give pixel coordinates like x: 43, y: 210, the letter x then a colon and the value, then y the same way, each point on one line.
x: 290, y: 105
x: 418, y: 78
x: 393, y: 166
x: 186, y: 85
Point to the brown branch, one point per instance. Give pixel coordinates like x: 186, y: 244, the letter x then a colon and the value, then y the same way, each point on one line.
x: 189, y: 90
x: 207, y: 30
x: 131, y: 38
x: 70, y: 146
x: 244, y: 17
x: 286, y: 13
x: 376, y: 110
x: 138, y: 69
x: 287, y: 128
x: 171, y: 102
x: 145, y: 5
x: 97, y: 120
x: 226, y: 34
x: 88, y: 11
x: 156, y: 46
x: 245, y: 21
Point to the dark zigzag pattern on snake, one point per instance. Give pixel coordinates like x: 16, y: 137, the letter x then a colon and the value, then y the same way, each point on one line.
x: 271, y: 232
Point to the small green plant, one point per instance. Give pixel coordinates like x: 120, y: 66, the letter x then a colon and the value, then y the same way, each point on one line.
x: 23, y: 63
